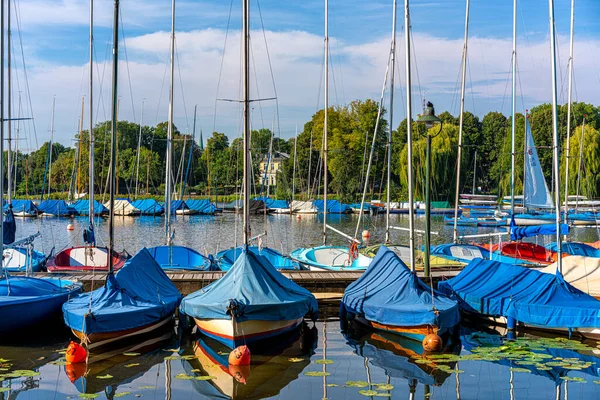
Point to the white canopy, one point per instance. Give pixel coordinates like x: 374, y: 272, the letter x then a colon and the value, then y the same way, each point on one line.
x: 581, y: 272
x: 123, y: 207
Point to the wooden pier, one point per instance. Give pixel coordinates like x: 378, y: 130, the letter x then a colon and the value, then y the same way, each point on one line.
x: 323, y: 284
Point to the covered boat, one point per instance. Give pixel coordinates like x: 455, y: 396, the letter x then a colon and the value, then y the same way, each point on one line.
x: 182, y: 258
x: 19, y: 259
x: 179, y: 207
x: 26, y: 301
x: 137, y: 299
x: 333, y: 207
x: 226, y: 258
x: 23, y: 208
x: 524, y: 297
x: 201, y: 206
x: 124, y: 207
x: 276, y: 206
x: 84, y: 258
x: 56, y: 208
x: 83, y: 207
x: 575, y: 249
x: 303, y: 207
x: 236, y: 206
x: 331, y: 258
x: 389, y: 297
x: 581, y: 272
x: 252, y: 302
x: 148, y: 207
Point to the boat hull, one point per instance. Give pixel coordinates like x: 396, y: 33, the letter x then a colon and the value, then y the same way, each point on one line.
x: 186, y: 212
x: 329, y: 258
x: 233, y: 334
x: 78, y: 259
x: 411, y: 332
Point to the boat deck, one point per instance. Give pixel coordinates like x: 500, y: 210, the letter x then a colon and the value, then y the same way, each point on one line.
x: 323, y: 284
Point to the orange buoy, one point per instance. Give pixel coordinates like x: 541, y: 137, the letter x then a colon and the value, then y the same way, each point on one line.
x: 366, y: 234
x: 240, y: 356
x: 299, y: 217
x: 240, y: 373
x: 70, y: 227
x: 432, y: 342
x: 75, y: 353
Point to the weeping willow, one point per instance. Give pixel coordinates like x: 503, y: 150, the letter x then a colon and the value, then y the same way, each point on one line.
x: 590, y: 162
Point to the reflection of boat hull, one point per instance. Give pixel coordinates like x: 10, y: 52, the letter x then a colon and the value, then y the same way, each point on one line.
x: 411, y: 332
x: 233, y: 334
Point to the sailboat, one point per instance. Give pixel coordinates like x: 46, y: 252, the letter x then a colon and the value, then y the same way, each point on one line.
x: 137, y: 299
x: 171, y: 257
x: 253, y: 301
x: 88, y: 257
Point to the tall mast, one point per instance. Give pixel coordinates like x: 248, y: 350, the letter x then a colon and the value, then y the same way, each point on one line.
x: 113, y: 140
x: 137, y: 163
x: 513, y: 112
x: 9, y: 116
x: 569, y: 109
x: 50, y: 147
x: 325, y: 134
x: 91, y: 133
x: 460, y: 123
x: 294, y: 166
x: 246, y: 133
x: 411, y: 211
x: 555, y: 139
x: 2, y: 126
x: 389, y: 144
x: 170, y: 132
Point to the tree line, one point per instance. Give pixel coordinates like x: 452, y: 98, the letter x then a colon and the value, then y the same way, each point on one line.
x: 217, y: 167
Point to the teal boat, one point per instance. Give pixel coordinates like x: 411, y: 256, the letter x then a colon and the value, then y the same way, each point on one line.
x: 330, y: 258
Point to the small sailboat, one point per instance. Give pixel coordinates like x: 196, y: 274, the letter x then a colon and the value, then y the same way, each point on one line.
x: 174, y: 258
x: 303, y: 207
x: 226, y: 258
x: 461, y: 221
x: 580, y: 271
x: 275, y: 206
x: 575, y: 249
x: 85, y: 258
x: 331, y: 258
x: 390, y: 298
x: 179, y: 207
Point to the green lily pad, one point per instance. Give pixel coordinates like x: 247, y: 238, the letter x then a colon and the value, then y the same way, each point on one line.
x: 4, y: 389
x: 324, y: 361
x: 295, y: 359
x: 205, y: 378
x: 358, y: 384
x: 122, y: 394
x: 147, y: 387
x: 107, y: 376
x: 168, y: 358
x: 332, y: 385
x: 132, y: 365
x: 184, y: 377
x: 131, y: 354
x: 188, y: 357
x: 384, y: 386
x: 573, y: 379
x: 524, y: 370
x: 88, y: 395
x: 367, y: 392
x: 380, y: 394
x: 317, y: 373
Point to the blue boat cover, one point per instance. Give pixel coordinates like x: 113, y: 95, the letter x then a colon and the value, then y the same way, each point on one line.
x: 576, y: 249
x: 529, y: 296
x: 272, y: 203
x: 388, y: 293
x: 226, y: 258
x: 83, y: 207
x: 56, y: 207
x: 333, y: 207
x: 178, y: 205
x: 535, y: 230
x: 26, y: 206
x: 202, y: 206
x: 251, y: 290
x: 148, y: 206
x: 9, y: 227
x: 139, y: 294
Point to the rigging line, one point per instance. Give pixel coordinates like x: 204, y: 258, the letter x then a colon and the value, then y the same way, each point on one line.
x: 101, y: 76
x: 508, y: 79
x: 221, y: 66
x: 260, y: 108
x: 187, y: 122
x: 474, y: 110
x: 124, y: 39
x: 416, y: 67
x: 332, y: 19
x: 333, y: 79
x: 162, y: 87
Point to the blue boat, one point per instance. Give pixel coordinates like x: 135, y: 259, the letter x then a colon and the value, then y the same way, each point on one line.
x: 20, y: 258
x: 23, y: 208
x: 26, y: 301
x: 226, y: 258
x: 252, y: 302
x: 389, y: 297
x: 276, y: 206
x: 333, y: 207
x: 182, y: 258
x: 460, y: 221
x: 139, y: 298
x: 56, y: 208
x: 575, y: 249
x: 82, y: 207
x: 465, y: 253
x: 524, y: 298
x: 148, y: 207
x: 330, y: 258
x: 204, y: 207
x: 179, y: 207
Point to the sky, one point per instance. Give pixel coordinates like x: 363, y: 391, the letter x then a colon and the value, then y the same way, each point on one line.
x: 51, y: 38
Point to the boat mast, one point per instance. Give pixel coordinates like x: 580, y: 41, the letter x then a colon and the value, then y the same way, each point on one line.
x: 514, y: 112
x: 460, y: 124
x: 294, y: 166
x: 389, y: 144
x: 137, y: 163
x: 170, y: 133
x: 246, y: 133
x: 570, y: 93
x: 474, y: 172
x: 9, y: 116
x: 113, y: 140
x: 325, y: 133
x: 91, y: 133
x: 2, y: 131
x: 581, y: 138
x: 555, y: 135
x: 411, y: 211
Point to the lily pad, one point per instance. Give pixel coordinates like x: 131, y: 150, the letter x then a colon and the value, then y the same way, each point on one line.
x: 122, y: 394
x: 317, y: 373
x: 131, y: 354
x: 132, y: 365
x: 295, y: 359
x: 358, y: 384
x: 107, y: 376
x: 525, y: 370
x: 4, y: 389
x: 324, y: 361
x: 147, y: 387
x: 205, y: 378
x: 384, y: 386
x: 332, y: 385
x: 573, y: 379
x: 188, y: 357
x: 184, y: 377
x: 368, y: 392
x: 88, y: 395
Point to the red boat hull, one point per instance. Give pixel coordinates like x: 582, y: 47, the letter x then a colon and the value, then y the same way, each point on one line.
x: 82, y: 258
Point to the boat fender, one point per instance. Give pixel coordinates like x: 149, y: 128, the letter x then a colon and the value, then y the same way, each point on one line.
x: 75, y: 353
x: 432, y: 342
x: 366, y: 234
x: 240, y: 356
x: 70, y: 227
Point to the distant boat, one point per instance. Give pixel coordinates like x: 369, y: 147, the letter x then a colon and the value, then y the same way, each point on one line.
x: 330, y: 258
x: 333, y: 207
x: 251, y: 303
x: 226, y: 258
x: 275, y: 206
x: 123, y: 207
x: 148, y: 207
x: 84, y: 258
x: 23, y: 208
x: 17, y: 259
x: 303, y: 207
x: 179, y: 207
x: 173, y: 258
x: 204, y: 207
x: 56, y: 208
x: 389, y: 297
x: 83, y: 207
x: 461, y: 221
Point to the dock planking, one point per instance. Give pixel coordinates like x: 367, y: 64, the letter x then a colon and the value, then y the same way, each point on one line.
x: 187, y: 282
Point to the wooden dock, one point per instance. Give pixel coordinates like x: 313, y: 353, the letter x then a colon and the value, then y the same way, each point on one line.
x: 324, y: 285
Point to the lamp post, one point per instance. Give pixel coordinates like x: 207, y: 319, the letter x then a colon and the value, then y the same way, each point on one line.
x: 429, y: 119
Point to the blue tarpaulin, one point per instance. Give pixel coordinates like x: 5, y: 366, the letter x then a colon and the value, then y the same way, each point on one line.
x: 178, y: 205
x: 9, y: 227
x: 529, y: 296
x: 576, y: 249
x: 226, y: 258
x: 388, y: 293
x: 535, y: 230
x: 333, y: 207
x: 181, y: 258
x: 251, y: 290
x: 22, y: 206
x: 202, y: 206
x: 83, y: 207
x: 148, y: 207
x: 139, y: 294
x: 272, y: 203
x: 57, y: 208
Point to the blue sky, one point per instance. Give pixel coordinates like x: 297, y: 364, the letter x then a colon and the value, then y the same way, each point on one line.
x: 55, y: 35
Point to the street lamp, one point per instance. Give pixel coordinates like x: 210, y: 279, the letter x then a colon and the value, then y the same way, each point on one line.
x: 429, y: 119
